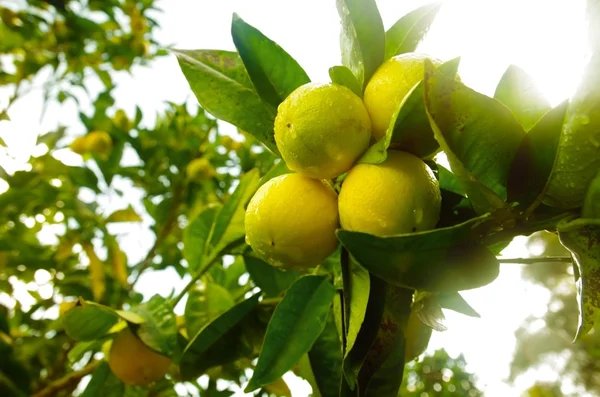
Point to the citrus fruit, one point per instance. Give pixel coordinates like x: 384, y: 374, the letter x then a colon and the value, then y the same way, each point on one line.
x: 389, y: 85
x: 79, y: 145
x: 99, y: 142
x: 291, y: 221
x: 400, y: 195
x: 321, y: 130
x: 199, y: 170
x: 135, y: 363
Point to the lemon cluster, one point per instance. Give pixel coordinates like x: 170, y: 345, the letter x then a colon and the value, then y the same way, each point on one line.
x: 321, y: 131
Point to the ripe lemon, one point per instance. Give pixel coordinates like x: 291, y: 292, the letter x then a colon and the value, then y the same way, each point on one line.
x: 389, y: 85
x: 400, y: 195
x: 321, y: 130
x: 135, y: 363
x: 99, y: 142
x: 291, y: 222
x: 79, y: 145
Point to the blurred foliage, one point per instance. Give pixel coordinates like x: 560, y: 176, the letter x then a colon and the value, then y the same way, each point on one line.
x: 547, y: 340
x: 439, y: 375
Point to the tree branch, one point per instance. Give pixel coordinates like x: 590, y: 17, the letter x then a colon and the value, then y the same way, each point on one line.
x: 69, y: 380
x: 529, y: 261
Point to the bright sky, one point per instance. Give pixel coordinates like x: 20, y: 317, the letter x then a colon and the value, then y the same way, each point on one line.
x: 544, y: 37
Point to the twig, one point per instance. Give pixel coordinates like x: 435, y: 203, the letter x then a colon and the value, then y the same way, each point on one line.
x: 164, y: 232
x: 69, y: 380
x: 529, y: 261
x: 193, y: 281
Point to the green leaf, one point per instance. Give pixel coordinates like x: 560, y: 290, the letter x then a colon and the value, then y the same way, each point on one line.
x: 462, y: 119
x: 210, y: 334
x: 440, y: 260
x: 89, y: 321
x: 381, y: 374
x: 77, y: 352
x: 454, y: 301
x: 279, y: 168
x: 409, y: 128
x: 406, y: 34
x: 357, y: 286
x: 104, y: 384
x: 355, y: 358
x: 362, y: 39
x: 448, y: 181
x: 223, y: 88
x: 196, y: 235
x: 582, y: 239
x: 229, y: 223
x: 272, y: 281
x: 578, y: 156
x: 517, y: 91
x: 343, y: 76
x: 159, y: 330
x: 326, y: 360
x: 205, y: 303
x: 416, y: 337
x: 273, y: 71
x: 295, y: 326
x: 125, y: 215
x: 532, y: 166
x: 591, y: 205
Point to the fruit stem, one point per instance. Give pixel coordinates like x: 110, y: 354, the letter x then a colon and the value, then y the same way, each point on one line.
x: 542, y: 259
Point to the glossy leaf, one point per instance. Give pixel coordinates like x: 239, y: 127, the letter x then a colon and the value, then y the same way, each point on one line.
x: 159, y: 330
x: 326, y: 360
x: 222, y: 87
x: 205, y: 303
x: 517, y: 91
x: 196, y: 235
x: 409, y: 128
x: 582, y: 239
x: 273, y: 71
x: 362, y: 39
x: 440, y: 260
x: 578, y: 156
x: 296, y: 324
x: 210, y: 334
x: 406, y: 34
x: 229, y: 222
x: 462, y: 119
x: 535, y: 158
x: 381, y: 374
x: 89, y: 321
x: 343, y: 76
x: 454, y: 301
x: 354, y: 358
x: 357, y: 287
x: 272, y: 281
x: 591, y: 205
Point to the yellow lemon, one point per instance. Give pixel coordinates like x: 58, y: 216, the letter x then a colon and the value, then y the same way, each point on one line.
x: 291, y: 221
x: 135, y: 363
x: 99, y: 142
x: 79, y: 145
x: 389, y: 85
x: 321, y: 130
x: 400, y: 195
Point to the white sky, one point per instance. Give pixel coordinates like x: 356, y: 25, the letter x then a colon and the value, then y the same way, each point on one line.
x: 544, y: 37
